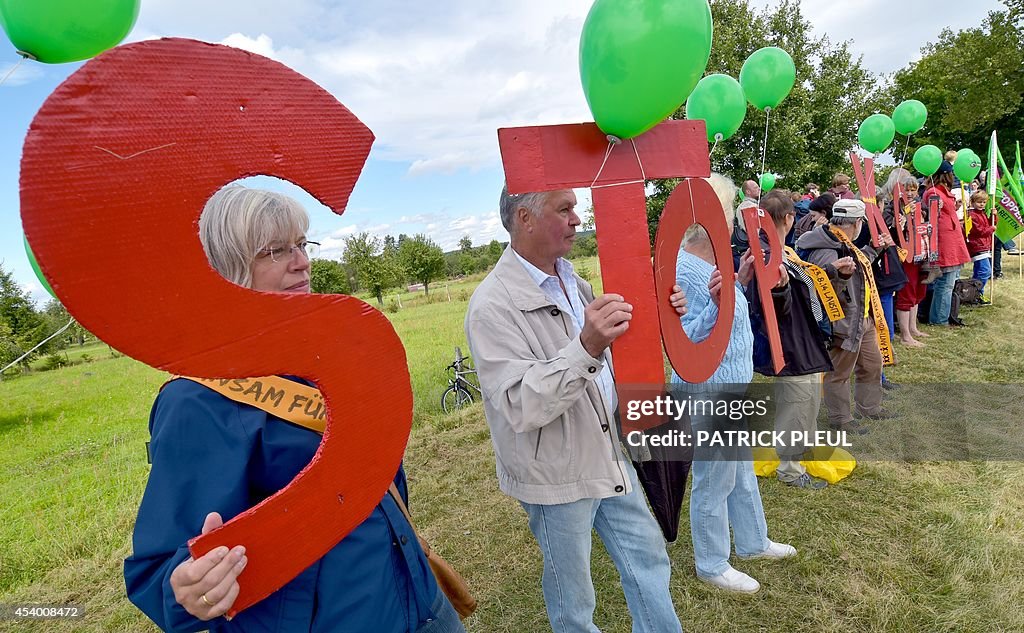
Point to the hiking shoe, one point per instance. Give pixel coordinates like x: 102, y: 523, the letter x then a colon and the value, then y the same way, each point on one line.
x: 775, y: 551
x: 889, y: 385
x: 734, y: 580
x: 881, y: 414
x: 806, y: 481
x: 957, y: 322
x: 851, y: 427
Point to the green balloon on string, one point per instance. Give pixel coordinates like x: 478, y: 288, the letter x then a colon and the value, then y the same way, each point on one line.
x: 967, y: 165
x: 35, y: 268
x: 767, y: 77
x: 876, y: 133
x: 59, y: 31
x: 927, y: 159
x: 718, y: 100
x: 909, y: 116
x: 767, y: 182
x: 640, y: 59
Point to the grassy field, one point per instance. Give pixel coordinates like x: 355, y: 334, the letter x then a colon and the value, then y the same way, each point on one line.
x: 935, y: 546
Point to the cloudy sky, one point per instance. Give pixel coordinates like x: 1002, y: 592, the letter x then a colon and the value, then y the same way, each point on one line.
x: 433, y: 81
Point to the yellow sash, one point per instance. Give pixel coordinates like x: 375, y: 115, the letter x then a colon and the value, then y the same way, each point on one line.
x: 872, y: 302
x: 826, y: 292
x: 289, y: 400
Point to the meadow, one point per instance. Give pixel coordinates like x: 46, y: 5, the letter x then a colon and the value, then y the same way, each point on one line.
x: 898, y: 546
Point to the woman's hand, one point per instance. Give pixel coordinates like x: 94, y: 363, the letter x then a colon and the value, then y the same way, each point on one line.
x: 715, y: 286
x: 746, y: 268
x: 678, y: 300
x: 208, y: 586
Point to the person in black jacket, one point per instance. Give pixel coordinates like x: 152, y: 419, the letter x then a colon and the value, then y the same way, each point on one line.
x: 804, y: 329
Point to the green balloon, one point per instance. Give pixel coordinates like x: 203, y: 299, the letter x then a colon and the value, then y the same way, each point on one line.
x: 767, y: 182
x: 876, y: 133
x: 59, y: 31
x: 719, y: 101
x: 767, y: 77
x: 967, y: 165
x: 909, y: 116
x: 35, y: 268
x: 927, y: 159
x: 639, y: 59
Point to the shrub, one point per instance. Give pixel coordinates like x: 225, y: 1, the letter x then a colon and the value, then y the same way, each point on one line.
x: 55, y: 360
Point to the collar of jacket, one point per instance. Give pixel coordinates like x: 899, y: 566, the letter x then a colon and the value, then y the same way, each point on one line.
x: 526, y: 295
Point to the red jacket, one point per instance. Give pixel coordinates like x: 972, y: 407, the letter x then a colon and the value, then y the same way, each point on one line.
x: 979, y: 240
x: 952, y: 245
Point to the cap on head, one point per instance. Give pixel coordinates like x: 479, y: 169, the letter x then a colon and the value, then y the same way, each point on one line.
x: 853, y: 209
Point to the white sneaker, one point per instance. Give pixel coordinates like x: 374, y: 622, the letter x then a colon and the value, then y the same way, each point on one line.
x: 734, y: 580
x: 775, y: 551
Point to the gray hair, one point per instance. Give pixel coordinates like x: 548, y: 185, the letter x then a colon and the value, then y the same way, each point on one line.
x: 842, y: 220
x: 238, y: 222
x: 510, y: 203
x: 725, y: 189
x: 899, y: 175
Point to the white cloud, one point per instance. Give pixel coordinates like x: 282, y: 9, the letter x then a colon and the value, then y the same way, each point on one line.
x: 262, y: 45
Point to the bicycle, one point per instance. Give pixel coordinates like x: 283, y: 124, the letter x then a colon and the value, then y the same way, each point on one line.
x: 460, y: 389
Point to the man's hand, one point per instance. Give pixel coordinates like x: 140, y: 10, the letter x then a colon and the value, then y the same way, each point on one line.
x: 783, y: 277
x: 746, y: 270
x: 678, y: 300
x: 604, y: 320
x: 845, y: 266
x: 208, y: 586
x: 715, y: 287
x: 885, y: 240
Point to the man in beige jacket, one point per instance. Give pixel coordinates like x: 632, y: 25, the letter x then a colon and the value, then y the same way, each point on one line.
x: 539, y: 340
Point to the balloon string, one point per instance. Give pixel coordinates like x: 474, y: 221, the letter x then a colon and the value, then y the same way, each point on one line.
x: 906, y: 146
x: 764, y: 153
x: 11, y: 71
x: 612, y: 142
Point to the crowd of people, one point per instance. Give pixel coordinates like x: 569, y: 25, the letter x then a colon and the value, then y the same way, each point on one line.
x: 541, y: 344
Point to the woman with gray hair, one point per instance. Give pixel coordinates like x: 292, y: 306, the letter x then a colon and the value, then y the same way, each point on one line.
x: 214, y: 458
x: 896, y: 214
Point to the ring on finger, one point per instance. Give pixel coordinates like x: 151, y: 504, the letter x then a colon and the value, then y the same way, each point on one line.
x: 206, y: 601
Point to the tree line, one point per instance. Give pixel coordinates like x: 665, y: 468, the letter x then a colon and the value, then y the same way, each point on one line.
x: 22, y: 325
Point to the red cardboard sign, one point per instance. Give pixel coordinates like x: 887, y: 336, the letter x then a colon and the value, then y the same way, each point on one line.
x: 766, y: 275
x: 866, y: 184
x: 117, y: 166
x: 564, y: 156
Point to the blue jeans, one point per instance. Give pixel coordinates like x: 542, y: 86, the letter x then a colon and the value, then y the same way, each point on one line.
x: 446, y: 618
x: 724, y: 494
x: 887, y: 303
x: 635, y: 544
x: 942, y: 297
x: 982, y: 271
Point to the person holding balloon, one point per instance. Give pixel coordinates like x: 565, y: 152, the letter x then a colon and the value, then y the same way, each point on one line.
x: 214, y: 458
x: 953, y: 252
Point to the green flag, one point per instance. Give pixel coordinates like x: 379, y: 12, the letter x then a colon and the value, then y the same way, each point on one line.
x: 1009, y: 198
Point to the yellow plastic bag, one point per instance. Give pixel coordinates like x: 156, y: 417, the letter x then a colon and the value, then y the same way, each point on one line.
x: 831, y: 464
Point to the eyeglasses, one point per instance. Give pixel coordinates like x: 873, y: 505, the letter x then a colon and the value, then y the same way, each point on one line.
x: 308, y: 249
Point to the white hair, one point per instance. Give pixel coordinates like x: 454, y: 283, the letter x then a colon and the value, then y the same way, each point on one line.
x: 238, y: 222
x: 725, y: 189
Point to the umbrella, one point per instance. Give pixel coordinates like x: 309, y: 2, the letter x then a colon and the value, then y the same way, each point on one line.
x: 663, y: 474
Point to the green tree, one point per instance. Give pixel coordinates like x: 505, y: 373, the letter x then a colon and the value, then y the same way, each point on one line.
x: 812, y: 131
x: 374, y: 271
x: 466, y: 244
x: 422, y: 259
x: 495, y: 249
x: 327, y: 276
x: 971, y: 82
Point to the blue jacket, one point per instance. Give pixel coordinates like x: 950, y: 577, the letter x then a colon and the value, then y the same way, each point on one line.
x: 211, y: 454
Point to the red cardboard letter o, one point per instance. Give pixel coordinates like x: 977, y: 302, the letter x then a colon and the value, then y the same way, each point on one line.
x: 117, y: 166
x: 693, y: 202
